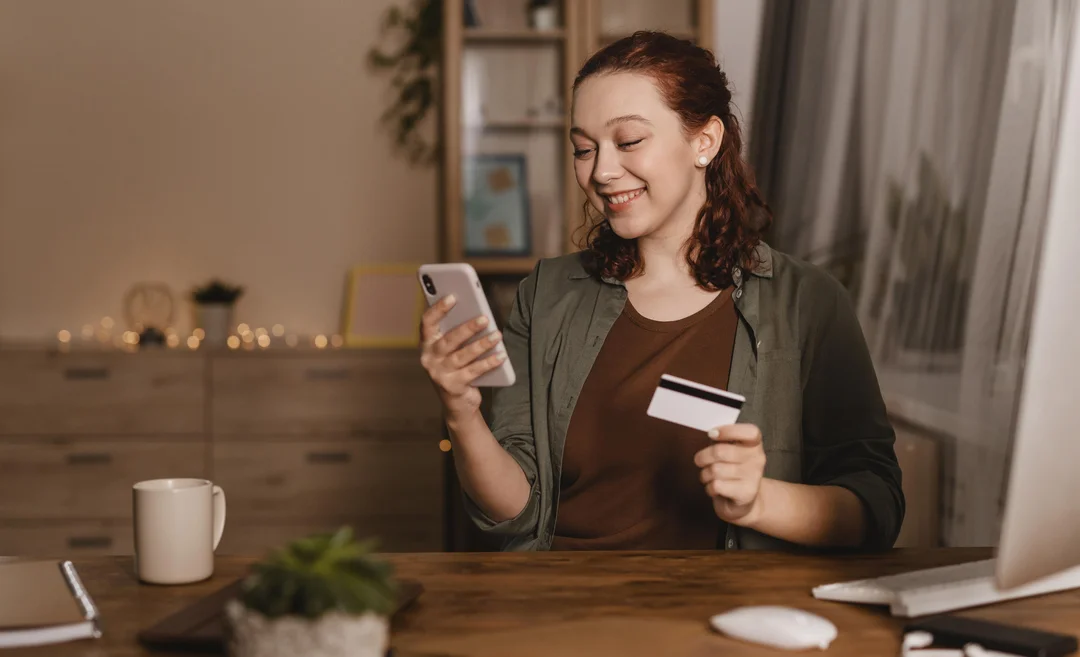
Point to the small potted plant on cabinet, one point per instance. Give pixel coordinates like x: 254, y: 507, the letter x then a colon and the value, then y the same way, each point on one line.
x: 321, y: 596
x: 214, y: 303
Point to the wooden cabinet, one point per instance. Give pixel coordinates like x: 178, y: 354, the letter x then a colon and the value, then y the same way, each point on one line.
x: 301, y: 441
x: 45, y: 392
x: 48, y: 479
x: 373, y: 393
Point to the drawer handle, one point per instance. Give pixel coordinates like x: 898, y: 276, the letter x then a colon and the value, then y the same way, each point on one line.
x: 89, y: 542
x: 89, y: 458
x: 86, y: 373
x: 326, y: 373
x: 328, y: 457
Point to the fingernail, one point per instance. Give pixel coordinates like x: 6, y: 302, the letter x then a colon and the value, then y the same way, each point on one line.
x: 494, y: 337
x: 713, y: 433
x: 482, y: 321
x: 450, y: 300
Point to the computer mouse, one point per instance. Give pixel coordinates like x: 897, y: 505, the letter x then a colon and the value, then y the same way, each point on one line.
x: 775, y: 626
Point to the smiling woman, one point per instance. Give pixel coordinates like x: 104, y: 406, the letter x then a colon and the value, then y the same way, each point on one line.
x: 675, y: 280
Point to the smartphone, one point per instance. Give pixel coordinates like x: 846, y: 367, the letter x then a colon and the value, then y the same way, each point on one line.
x: 460, y: 279
x: 956, y: 631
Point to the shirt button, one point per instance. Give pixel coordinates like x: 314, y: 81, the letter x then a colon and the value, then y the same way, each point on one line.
x: 738, y: 293
x: 731, y: 544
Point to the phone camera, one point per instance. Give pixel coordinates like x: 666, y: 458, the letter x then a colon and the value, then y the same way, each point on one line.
x: 428, y: 284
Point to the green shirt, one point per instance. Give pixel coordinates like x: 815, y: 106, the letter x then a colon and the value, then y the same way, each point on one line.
x: 800, y: 360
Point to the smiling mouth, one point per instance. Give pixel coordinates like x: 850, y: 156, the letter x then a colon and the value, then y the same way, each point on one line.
x: 622, y: 198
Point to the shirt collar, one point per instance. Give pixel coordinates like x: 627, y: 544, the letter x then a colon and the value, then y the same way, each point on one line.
x: 763, y: 269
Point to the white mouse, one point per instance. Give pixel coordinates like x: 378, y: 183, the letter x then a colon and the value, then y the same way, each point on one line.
x: 778, y: 627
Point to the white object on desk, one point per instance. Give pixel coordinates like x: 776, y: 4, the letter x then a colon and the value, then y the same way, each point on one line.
x: 778, y: 627
x: 937, y: 590
x: 917, y: 644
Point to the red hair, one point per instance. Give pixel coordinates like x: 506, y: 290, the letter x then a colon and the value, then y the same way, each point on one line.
x: 734, y: 215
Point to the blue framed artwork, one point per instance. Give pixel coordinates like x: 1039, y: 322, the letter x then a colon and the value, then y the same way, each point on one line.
x: 496, y: 200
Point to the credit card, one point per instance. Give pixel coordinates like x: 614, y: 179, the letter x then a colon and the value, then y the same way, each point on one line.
x: 693, y: 404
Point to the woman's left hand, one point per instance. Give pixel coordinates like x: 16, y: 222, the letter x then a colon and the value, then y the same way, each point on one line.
x: 732, y: 469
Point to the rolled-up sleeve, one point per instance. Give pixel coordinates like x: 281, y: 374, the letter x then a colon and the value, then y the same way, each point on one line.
x: 511, y: 420
x: 848, y: 440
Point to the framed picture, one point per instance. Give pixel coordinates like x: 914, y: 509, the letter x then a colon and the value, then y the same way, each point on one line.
x: 383, y: 306
x: 496, y: 200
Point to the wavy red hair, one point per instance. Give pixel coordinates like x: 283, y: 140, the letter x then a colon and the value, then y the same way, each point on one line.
x: 731, y: 221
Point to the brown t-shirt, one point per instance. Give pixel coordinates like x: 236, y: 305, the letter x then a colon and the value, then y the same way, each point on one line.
x: 629, y: 480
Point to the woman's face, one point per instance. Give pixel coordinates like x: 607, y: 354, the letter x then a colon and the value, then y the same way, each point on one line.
x: 633, y: 160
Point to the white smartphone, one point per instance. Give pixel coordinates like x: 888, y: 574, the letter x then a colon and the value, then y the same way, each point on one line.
x: 460, y: 279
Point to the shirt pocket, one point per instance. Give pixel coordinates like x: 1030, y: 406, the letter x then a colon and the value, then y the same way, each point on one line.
x: 779, y: 392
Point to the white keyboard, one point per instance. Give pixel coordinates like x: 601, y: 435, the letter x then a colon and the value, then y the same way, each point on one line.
x: 937, y: 590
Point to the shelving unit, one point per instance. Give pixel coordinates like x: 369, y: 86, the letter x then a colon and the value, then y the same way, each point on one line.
x: 507, y: 174
x: 509, y: 192
x: 606, y: 21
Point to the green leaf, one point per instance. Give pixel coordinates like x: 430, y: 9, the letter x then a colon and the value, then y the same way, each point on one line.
x: 320, y: 573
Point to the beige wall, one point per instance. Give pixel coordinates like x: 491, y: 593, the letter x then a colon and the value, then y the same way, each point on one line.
x: 177, y: 140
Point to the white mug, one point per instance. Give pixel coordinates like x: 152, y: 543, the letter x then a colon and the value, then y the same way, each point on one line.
x: 178, y: 525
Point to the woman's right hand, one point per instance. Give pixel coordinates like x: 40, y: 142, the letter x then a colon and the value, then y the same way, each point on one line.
x: 451, y: 366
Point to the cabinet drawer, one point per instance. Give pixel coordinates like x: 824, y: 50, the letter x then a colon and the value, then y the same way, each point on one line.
x: 368, y: 393
x: 100, y: 393
x: 342, y: 480
x: 66, y: 540
x: 395, y: 534
x: 42, y: 480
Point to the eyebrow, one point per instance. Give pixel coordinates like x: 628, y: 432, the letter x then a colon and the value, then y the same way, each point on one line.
x: 626, y: 118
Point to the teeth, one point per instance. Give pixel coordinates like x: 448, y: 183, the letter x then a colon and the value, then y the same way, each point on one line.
x: 623, y: 198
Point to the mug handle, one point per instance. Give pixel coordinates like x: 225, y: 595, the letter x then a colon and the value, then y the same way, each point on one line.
x: 219, y: 514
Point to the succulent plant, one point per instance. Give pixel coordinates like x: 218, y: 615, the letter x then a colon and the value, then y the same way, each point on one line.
x: 318, y: 574
x: 217, y: 292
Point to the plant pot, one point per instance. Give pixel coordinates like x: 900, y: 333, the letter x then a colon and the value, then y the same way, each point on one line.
x: 331, y: 635
x: 216, y: 319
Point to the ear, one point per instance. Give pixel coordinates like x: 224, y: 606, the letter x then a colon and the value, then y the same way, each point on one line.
x: 707, y: 143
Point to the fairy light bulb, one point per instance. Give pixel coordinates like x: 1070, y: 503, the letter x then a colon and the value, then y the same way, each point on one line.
x: 264, y: 341
x: 233, y: 342
x: 320, y: 341
x: 278, y: 330
x: 64, y: 336
x: 193, y: 342
x: 199, y: 333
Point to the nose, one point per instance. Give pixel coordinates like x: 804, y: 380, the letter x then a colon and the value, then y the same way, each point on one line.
x: 606, y: 166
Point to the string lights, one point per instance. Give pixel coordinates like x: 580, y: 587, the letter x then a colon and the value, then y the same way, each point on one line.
x: 246, y: 337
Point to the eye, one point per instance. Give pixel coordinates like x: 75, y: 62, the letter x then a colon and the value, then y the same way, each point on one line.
x: 628, y: 144
x: 580, y: 153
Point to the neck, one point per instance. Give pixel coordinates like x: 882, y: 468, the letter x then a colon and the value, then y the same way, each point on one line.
x: 663, y: 253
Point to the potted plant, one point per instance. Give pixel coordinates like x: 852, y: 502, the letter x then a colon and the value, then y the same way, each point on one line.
x: 320, y: 596
x: 543, y: 15
x: 214, y: 304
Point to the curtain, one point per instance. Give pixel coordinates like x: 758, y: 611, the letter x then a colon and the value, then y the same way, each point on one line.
x: 908, y: 151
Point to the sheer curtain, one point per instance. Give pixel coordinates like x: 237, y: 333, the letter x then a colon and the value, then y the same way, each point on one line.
x: 911, y: 157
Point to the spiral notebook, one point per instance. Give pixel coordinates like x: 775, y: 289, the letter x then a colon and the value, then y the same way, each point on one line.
x: 44, y: 602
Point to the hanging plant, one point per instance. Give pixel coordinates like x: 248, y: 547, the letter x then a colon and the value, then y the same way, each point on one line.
x: 416, y: 68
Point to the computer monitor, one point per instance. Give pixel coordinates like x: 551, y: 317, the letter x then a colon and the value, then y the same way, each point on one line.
x: 1040, y: 534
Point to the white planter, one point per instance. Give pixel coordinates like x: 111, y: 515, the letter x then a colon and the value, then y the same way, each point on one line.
x: 331, y: 635
x: 216, y: 319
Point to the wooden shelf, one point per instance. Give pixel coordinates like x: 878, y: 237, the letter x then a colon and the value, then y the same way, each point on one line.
x: 518, y: 124
x: 493, y: 35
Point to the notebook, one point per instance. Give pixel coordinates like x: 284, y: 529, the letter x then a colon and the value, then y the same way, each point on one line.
x: 202, y: 627
x: 44, y: 602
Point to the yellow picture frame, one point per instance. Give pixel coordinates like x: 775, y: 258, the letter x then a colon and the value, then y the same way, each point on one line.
x: 383, y: 307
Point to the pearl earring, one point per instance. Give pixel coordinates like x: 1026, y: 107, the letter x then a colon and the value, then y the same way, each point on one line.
x: 702, y: 161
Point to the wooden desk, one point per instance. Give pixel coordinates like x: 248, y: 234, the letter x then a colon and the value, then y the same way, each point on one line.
x: 472, y: 592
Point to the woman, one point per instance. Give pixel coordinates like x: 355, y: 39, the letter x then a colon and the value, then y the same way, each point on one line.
x: 675, y: 279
